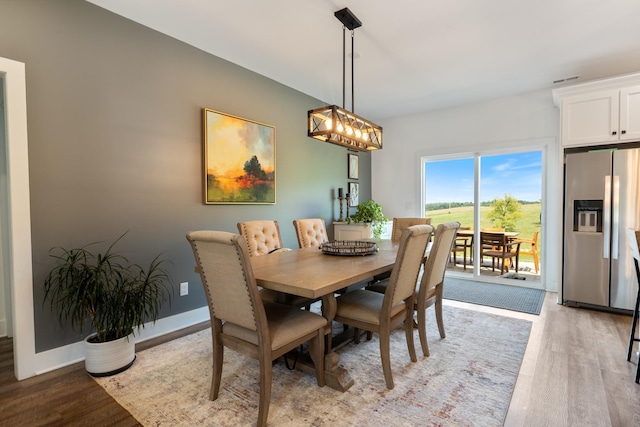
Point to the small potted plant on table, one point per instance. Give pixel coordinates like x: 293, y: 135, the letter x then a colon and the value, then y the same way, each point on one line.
x: 370, y: 212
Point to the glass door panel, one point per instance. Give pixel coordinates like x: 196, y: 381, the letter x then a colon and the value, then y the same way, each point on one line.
x: 506, y: 199
x: 449, y: 196
x: 510, y: 204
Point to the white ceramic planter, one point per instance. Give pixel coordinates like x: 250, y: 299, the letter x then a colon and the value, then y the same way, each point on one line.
x: 109, y: 358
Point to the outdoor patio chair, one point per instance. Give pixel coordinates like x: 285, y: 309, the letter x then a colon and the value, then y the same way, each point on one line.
x: 533, y: 249
x: 499, y: 247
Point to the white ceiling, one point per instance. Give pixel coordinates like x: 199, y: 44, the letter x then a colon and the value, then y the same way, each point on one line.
x: 411, y: 55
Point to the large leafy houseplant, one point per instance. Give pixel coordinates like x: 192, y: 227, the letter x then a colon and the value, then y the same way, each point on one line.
x: 370, y: 212
x: 115, y: 295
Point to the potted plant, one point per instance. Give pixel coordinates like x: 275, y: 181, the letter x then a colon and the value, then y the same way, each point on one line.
x: 114, y: 295
x: 370, y: 212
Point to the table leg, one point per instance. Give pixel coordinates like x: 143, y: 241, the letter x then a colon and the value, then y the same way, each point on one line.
x: 335, y: 377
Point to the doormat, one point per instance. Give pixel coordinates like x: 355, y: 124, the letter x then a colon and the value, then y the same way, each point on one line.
x: 514, y: 298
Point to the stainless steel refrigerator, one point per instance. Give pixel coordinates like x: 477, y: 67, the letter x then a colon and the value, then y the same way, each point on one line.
x: 602, y: 200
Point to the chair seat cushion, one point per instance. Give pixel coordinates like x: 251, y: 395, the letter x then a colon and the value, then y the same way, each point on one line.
x: 499, y: 254
x: 364, y: 306
x: 285, y: 323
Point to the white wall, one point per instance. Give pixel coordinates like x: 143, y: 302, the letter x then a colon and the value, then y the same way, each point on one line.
x: 529, y: 120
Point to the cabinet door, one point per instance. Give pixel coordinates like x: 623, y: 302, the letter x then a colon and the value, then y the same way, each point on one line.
x: 630, y: 114
x: 590, y: 118
x: 351, y: 231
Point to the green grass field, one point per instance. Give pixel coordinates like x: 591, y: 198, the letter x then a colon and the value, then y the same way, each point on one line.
x: 526, y: 225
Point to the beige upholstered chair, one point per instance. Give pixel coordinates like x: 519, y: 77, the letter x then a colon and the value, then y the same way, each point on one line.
x: 429, y: 290
x: 262, y: 237
x: 400, y: 224
x: 498, y: 247
x: 381, y: 313
x: 311, y: 232
x: 431, y: 283
x: 240, y: 321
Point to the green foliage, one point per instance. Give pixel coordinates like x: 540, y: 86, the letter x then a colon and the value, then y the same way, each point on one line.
x: 505, y: 212
x: 115, y: 295
x: 253, y: 169
x: 370, y: 212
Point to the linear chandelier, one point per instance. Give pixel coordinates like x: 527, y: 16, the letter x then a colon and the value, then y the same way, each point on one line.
x: 338, y: 125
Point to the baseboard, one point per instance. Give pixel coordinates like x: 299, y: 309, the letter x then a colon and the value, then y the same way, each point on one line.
x: 60, y: 357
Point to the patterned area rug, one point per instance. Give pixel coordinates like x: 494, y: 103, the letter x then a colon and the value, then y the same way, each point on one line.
x: 515, y: 298
x: 467, y: 381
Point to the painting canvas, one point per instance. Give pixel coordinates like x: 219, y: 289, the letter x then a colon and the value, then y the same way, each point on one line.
x: 239, y: 160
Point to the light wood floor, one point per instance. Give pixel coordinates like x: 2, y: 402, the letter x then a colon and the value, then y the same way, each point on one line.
x: 574, y: 373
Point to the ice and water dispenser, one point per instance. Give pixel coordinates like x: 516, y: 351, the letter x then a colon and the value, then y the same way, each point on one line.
x: 587, y: 216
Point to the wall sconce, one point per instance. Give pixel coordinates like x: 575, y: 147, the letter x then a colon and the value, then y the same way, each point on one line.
x: 338, y: 125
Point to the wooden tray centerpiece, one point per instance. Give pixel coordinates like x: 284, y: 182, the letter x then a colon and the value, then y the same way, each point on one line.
x: 349, y: 248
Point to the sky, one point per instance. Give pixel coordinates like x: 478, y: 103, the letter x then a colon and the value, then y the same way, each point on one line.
x: 518, y: 174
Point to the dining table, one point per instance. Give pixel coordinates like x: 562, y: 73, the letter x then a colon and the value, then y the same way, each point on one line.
x: 309, y: 272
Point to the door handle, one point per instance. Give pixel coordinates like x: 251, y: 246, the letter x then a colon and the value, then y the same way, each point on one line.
x: 616, y: 216
x: 606, y: 220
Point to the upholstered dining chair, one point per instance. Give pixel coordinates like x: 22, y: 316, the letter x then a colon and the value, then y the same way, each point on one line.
x: 263, y: 237
x: 499, y: 247
x: 240, y: 320
x: 311, y: 232
x: 381, y: 313
x: 431, y: 285
x: 431, y: 281
x: 399, y: 224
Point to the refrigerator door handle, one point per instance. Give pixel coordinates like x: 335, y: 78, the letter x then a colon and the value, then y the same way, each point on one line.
x: 615, y: 232
x: 606, y: 220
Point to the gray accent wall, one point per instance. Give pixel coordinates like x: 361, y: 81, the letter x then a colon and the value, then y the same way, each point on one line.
x: 115, y: 143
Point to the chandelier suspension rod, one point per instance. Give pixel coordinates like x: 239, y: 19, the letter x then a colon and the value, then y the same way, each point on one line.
x: 344, y: 65
x: 353, y: 107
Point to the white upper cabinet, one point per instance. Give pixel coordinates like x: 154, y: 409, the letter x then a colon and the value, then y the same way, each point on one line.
x: 630, y: 114
x: 590, y: 118
x: 600, y: 112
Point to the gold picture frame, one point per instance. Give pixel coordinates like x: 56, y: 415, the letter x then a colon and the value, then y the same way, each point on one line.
x: 239, y: 160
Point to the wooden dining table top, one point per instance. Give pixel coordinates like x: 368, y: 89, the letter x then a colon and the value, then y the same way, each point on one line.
x: 310, y: 273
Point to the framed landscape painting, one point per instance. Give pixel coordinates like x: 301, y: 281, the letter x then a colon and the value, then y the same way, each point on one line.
x: 239, y: 160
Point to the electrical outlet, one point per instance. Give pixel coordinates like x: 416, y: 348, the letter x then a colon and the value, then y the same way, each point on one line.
x: 184, y: 289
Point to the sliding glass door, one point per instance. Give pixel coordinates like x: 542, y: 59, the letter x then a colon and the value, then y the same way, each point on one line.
x: 492, y: 196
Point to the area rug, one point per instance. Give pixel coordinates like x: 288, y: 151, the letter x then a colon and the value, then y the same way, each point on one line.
x: 467, y: 381
x: 515, y: 298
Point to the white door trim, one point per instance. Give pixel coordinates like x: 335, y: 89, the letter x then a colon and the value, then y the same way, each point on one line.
x: 19, y: 212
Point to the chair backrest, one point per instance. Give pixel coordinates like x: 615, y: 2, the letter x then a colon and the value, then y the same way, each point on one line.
x: 402, y: 282
x: 534, y: 239
x: 311, y: 232
x: 436, y: 264
x: 496, y: 241
x: 262, y: 236
x: 227, y: 277
x: 399, y: 224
